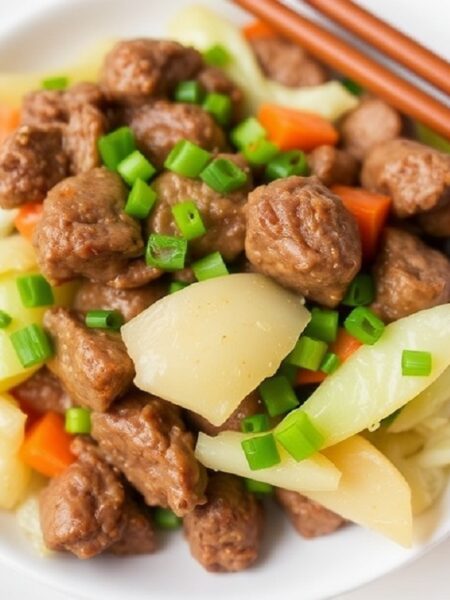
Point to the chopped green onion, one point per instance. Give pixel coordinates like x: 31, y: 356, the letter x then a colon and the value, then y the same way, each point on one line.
x: 189, y: 92
x: 261, y: 452
x: 164, y: 518
x: 289, y: 371
x: 260, y: 152
x: 187, y: 159
x: 140, y: 200
x: 330, y: 363
x: 217, y: 56
x: 116, y: 146
x: 323, y: 325
x: 34, y: 290
x: 135, y: 166
x: 166, y: 252
x: 286, y: 164
x: 104, y: 319
x: 416, y: 363
x: 364, y: 325
x: 176, y: 286
x: 247, y: 132
x: 429, y: 137
x: 278, y: 395
x: 258, y: 487
x: 219, y: 107
x: 352, y: 86
x: 298, y: 436
x: 5, y: 319
x: 78, y: 420
x: 55, y: 83
x: 210, y: 266
x: 189, y: 220
x: 255, y: 424
x: 32, y: 345
x: 307, y: 353
x: 223, y: 176
x: 361, y: 291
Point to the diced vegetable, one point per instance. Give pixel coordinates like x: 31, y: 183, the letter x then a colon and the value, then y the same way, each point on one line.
x: 9, y: 120
x: 257, y: 29
x: 7, y: 217
x: 17, y: 254
x: 430, y: 138
x: 28, y: 519
x: 28, y: 216
x: 244, y: 326
x: 12, y: 426
x: 224, y: 453
x: 164, y: 518
x: 261, y: 452
x: 436, y: 452
x: 14, y: 478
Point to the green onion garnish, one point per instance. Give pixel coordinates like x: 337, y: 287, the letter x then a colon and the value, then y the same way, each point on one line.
x: 166, y: 252
x: 223, y: 176
x: 416, y: 363
x: 255, y: 423
x: 78, y: 420
x: 55, y: 83
x: 141, y: 200
x: 32, y: 345
x: 287, y: 164
x: 188, y: 219
x: 298, y: 436
x: 210, y: 266
x: 278, y: 395
x: 364, y: 325
x: 260, y: 152
x: 216, y: 56
x: 247, y: 132
x: 330, y: 363
x: 219, y: 107
x: 166, y: 519
x: 187, y: 159
x: 176, y: 286
x: 261, y: 452
x: 258, y: 487
x: 104, y: 319
x: 289, y: 371
x: 34, y: 290
x: 307, y: 353
x: 352, y: 86
x: 361, y: 291
x: 323, y: 325
x: 189, y: 92
x: 116, y: 146
x: 135, y: 166
x: 5, y: 319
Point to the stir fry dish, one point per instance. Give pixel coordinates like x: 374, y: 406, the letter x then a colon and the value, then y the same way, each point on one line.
x: 224, y: 282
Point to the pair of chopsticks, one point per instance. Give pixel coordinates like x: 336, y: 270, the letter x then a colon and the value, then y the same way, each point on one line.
x: 333, y: 51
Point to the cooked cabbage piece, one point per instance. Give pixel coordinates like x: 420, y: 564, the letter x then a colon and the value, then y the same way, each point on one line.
x: 7, y: 217
x: 17, y: 254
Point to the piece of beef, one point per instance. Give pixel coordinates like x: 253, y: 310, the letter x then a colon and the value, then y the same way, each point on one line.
x: 436, y: 222
x: 32, y: 161
x: 217, y: 81
x: 92, y: 364
x: 300, y: 234
x: 84, y: 229
x: 86, y: 125
x: 84, y: 93
x: 185, y: 275
x: 93, y: 296
x: 44, y: 108
x: 138, y: 536
x: 309, y: 518
x: 225, y: 533
x: 409, y: 276
x: 333, y: 166
x: 145, y: 438
x: 136, y: 70
x: 82, y: 510
x: 43, y: 392
x: 160, y: 124
x: 223, y: 215
x: 135, y: 275
x: 416, y: 177
x: 373, y: 121
x: 287, y: 63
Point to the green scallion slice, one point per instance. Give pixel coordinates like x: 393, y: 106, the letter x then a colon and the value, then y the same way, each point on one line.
x: 32, y: 345
x: 116, y: 146
x: 261, y: 452
x: 255, y: 423
x: 135, y: 166
x: 187, y: 159
x: 219, y: 106
x: 217, y: 56
x: 164, y: 518
x: 247, y: 132
x: 330, y: 363
x: 278, y: 395
x: 287, y: 164
x: 166, y: 252
x: 189, y: 220
x: 210, y: 266
x: 361, y: 291
x: 104, y: 319
x: 5, y: 319
x: 307, y: 353
x: 416, y: 363
x: 141, y: 200
x: 323, y: 325
x: 364, y: 325
x: 189, y: 92
x: 55, y: 83
x: 258, y: 487
x: 78, y: 420
x: 34, y: 290
x: 223, y: 176
x: 298, y: 435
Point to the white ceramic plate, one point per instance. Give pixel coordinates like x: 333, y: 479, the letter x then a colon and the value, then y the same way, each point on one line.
x: 290, y: 567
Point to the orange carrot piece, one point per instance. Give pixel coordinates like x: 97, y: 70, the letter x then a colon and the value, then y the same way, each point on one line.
x: 46, y: 448
x: 292, y: 129
x: 370, y: 211
x: 27, y: 219
x: 257, y: 29
x: 9, y: 120
x: 305, y: 377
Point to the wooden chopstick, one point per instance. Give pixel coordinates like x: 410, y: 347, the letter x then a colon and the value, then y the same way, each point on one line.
x: 333, y: 51
x: 387, y: 39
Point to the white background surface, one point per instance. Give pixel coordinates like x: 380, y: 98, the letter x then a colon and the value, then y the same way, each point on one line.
x: 424, y: 579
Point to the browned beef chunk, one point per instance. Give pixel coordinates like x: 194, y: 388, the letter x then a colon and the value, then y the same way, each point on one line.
x: 145, y: 438
x: 32, y: 161
x: 43, y: 108
x: 92, y: 296
x: 416, y: 177
x: 223, y: 216
x: 373, y: 121
x: 135, y: 275
x: 139, y: 536
x: 300, y: 234
x: 84, y: 93
x: 333, y: 166
x: 86, y: 125
x: 92, y: 364
x: 436, y: 222
x: 159, y: 125
x: 250, y: 405
x: 225, y: 533
x: 409, y: 276
x: 309, y: 518
x: 287, y: 63
x: 215, y: 80
x: 82, y: 510
x: 185, y: 275
x: 84, y: 230
x: 136, y: 70
x: 43, y: 392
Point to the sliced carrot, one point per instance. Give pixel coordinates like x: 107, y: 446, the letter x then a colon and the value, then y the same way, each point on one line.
x: 257, y: 29
x: 305, y: 377
x: 370, y: 211
x: 27, y: 219
x: 294, y: 129
x: 47, y: 446
x: 9, y: 120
